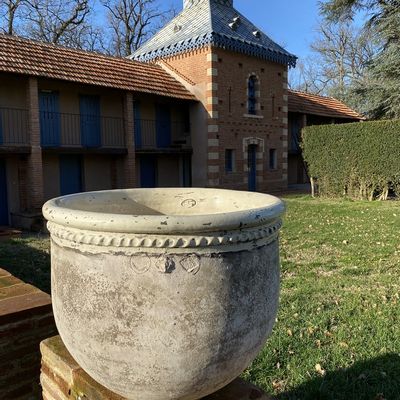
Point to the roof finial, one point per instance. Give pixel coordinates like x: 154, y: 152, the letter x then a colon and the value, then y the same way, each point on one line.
x: 191, y: 3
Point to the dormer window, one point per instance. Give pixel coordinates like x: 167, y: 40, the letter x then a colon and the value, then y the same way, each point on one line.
x: 252, y: 95
x: 235, y: 23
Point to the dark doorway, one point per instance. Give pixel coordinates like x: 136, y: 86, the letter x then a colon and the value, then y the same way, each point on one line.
x: 252, y: 166
x: 148, y: 171
x: 3, y: 194
x: 163, y: 126
x: 70, y: 174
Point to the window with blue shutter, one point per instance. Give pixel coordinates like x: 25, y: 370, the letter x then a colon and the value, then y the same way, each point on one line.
x: 252, y: 99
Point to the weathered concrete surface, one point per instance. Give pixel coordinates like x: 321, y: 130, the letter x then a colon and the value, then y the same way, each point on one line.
x: 63, y: 379
x: 171, y: 316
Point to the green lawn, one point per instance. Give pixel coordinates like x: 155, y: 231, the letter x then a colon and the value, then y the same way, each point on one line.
x: 28, y: 258
x: 338, y: 330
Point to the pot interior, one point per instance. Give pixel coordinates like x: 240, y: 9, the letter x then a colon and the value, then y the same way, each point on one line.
x: 169, y: 202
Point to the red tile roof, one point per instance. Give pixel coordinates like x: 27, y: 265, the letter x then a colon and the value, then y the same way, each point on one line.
x: 28, y: 57
x: 313, y: 104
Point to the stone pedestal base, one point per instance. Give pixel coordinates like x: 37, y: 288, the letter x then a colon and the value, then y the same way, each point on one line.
x: 63, y: 379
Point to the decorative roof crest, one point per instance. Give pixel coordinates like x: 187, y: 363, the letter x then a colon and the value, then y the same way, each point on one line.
x: 191, y: 3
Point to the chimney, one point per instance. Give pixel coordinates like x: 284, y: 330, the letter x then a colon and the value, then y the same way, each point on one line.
x: 191, y: 3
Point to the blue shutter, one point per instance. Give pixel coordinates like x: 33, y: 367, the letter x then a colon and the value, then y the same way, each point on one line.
x: 50, y: 123
x: 3, y: 194
x: 137, y: 125
x: 70, y: 174
x: 90, y: 121
x: 163, y: 126
x: 252, y: 95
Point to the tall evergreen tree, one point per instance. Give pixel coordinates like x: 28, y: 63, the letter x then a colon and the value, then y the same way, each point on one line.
x: 380, y: 89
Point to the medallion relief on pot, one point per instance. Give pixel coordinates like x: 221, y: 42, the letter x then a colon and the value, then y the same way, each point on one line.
x: 142, y: 263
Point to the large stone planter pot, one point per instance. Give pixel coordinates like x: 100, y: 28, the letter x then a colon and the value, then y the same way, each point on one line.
x: 164, y: 293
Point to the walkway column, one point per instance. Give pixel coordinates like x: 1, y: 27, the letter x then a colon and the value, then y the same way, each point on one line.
x: 130, y: 158
x: 35, y: 164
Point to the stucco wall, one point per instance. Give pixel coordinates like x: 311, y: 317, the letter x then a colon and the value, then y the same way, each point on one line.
x: 169, y: 172
x: 97, y: 173
x: 13, y: 91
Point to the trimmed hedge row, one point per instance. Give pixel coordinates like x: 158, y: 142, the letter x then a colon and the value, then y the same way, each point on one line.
x: 359, y: 160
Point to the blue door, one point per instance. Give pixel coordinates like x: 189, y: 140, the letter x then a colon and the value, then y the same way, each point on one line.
x: 90, y: 121
x: 252, y: 164
x: 137, y: 125
x: 163, y: 126
x: 3, y: 194
x: 70, y: 174
x: 50, y: 123
x: 148, y: 171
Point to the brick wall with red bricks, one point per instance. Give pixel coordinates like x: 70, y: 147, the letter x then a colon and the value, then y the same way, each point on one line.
x: 222, y: 78
x: 26, y: 318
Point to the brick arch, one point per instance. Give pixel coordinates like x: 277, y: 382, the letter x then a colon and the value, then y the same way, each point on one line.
x: 253, y: 140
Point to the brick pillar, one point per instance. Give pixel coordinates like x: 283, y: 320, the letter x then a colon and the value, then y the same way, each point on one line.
x: 129, y: 161
x: 213, y: 162
x: 35, y: 164
x: 285, y: 136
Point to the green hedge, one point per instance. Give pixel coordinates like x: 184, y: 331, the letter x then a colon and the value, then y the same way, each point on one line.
x: 359, y: 160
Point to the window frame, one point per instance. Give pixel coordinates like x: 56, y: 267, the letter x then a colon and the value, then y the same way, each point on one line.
x: 230, y: 162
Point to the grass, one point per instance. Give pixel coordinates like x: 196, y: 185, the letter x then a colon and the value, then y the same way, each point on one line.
x: 27, y: 258
x: 338, y: 330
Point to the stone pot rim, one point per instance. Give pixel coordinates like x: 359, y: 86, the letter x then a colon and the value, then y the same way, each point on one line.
x: 260, y: 209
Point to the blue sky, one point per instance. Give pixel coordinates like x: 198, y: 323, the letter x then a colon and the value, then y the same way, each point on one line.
x: 289, y: 22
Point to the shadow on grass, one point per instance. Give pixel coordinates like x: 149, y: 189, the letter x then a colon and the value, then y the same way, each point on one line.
x: 27, y: 258
x: 376, y: 379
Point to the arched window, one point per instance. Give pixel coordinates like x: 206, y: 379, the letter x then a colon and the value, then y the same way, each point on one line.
x: 252, y: 99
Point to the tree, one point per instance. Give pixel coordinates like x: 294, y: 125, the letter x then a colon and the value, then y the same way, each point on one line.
x: 131, y: 22
x: 57, y: 21
x: 340, y: 55
x: 380, y: 90
x: 9, y: 12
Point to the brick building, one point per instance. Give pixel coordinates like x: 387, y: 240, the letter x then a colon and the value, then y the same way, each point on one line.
x: 239, y: 76
x: 204, y: 104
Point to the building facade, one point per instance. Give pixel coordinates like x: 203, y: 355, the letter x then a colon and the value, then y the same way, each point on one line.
x: 239, y: 75
x: 204, y: 103
x: 74, y: 121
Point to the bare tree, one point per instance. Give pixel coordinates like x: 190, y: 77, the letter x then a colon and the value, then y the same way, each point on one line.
x: 340, y: 56
x: 9, y: 13
x: 57, y: 21
x: 307, y: 78
x: 132, y: 22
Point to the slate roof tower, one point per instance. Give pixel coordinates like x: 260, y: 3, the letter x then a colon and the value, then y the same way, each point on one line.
x: 239, y: 74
